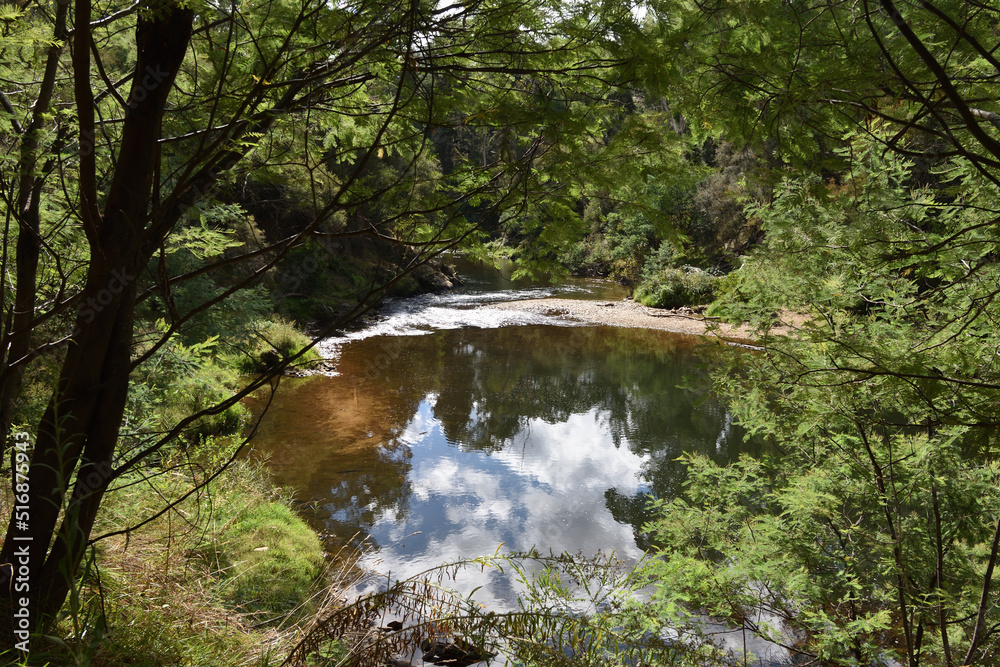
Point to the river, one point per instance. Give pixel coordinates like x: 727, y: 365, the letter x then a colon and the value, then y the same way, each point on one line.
x: 452, y: 429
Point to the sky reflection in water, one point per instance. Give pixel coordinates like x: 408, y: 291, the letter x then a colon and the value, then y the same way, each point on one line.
x: 546, y: 490
x: 446, y: 445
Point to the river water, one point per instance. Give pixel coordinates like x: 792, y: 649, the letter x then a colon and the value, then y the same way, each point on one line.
x: 451, y: 428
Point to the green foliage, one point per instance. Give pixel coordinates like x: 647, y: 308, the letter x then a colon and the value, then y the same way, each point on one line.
x: 213, y: 234
x: 271, y: 341
x: 618, y: 250
x: 178, y: 380
x: 672, y: 288
x: 809, y: 541
x: 22, y: 34
x: 868, y: 529
x: 671, y: 210
x: 314, y: 285
x: 641, y: 200
x: 209, y: 233
x: 721, y: 227
x: 793, y: 78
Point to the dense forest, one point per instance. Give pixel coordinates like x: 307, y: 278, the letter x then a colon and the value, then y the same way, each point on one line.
x: 194, y: 192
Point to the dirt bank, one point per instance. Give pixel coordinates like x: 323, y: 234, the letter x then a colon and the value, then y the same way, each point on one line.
x: 628, y: 313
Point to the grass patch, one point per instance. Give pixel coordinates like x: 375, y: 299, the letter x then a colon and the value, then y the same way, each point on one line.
x: 265, y: 557
x: 272, y: 340
x: 195, y: 587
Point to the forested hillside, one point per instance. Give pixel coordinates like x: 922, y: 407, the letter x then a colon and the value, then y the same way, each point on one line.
x: 188, y: 186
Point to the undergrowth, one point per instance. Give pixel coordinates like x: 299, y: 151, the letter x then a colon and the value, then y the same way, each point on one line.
x: 230, y: 577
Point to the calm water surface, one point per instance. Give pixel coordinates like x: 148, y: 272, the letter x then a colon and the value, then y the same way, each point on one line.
x: 452, y: 428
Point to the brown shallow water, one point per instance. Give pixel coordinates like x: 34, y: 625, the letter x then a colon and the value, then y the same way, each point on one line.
x: 446, y: 445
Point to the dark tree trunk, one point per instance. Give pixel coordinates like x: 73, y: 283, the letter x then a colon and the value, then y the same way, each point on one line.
x: 15, y: 342
x: 79, y: 431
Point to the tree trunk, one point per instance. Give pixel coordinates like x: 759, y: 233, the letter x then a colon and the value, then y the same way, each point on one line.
x: 16, y: 340
x: 79, y: 431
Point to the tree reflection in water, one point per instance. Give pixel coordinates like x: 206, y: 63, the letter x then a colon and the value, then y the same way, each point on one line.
x: 538, y: 436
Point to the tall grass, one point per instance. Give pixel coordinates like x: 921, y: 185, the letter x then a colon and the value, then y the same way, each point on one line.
x: 269, y: 341
x: 231, y: 577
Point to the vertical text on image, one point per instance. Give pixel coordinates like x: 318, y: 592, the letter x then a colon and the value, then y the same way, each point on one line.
x: 21, y: 569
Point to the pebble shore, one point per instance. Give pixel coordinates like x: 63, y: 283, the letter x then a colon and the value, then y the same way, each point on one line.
x: 628, y: 313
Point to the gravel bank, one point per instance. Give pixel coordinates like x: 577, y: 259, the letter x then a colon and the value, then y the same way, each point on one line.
x: 628, y: 313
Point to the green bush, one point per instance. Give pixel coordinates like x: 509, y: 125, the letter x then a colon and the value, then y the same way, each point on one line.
x: 671, y: 288
x: 753, y: 293
x: 272, y: 340
x: 178, y: 380
x: 618, y: 251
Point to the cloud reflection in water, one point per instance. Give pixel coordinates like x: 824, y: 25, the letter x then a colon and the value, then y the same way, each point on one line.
x: 546, y: 491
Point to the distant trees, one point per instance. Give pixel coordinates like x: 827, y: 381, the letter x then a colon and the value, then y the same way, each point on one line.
x: 132, y: 131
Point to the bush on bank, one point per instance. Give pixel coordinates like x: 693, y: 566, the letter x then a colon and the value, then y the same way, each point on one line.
x: 673, y: 287
x: 268, y: 342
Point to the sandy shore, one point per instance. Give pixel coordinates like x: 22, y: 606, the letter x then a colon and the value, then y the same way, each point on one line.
x: 628, y: 313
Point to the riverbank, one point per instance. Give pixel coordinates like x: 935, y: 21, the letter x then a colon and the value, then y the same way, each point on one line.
x: 230, y: 577
x: 629, y: 313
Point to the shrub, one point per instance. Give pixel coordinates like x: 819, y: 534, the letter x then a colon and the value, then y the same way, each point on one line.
x: 672, y: 287
x: 178, y: 380
x: 272, y: 340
